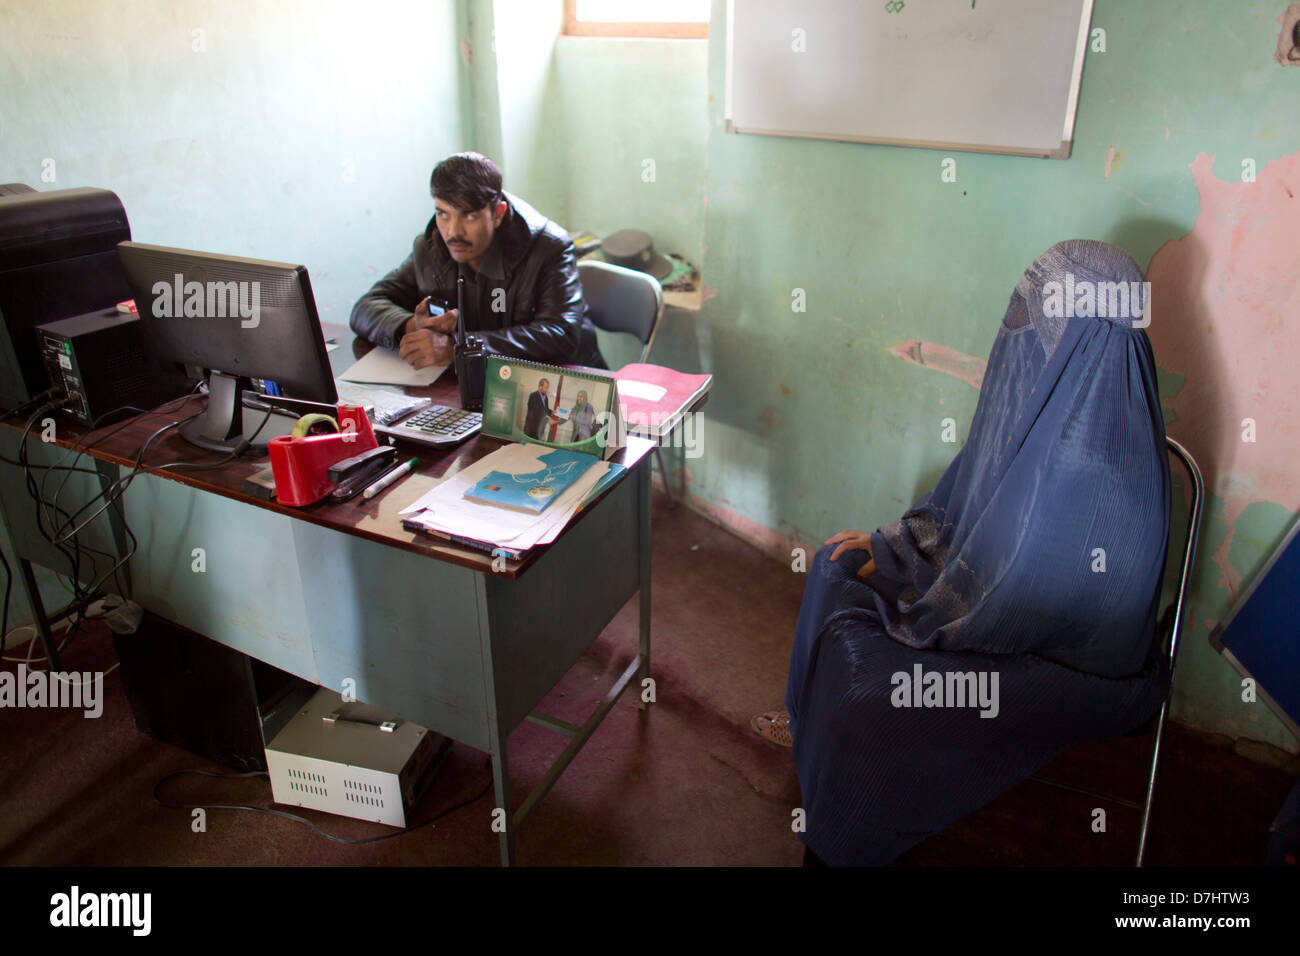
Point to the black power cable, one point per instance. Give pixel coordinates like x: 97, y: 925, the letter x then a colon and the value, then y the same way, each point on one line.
x: 9, y: 583
x: 64, y: 532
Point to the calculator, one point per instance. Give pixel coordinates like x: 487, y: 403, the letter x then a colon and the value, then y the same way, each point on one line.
x: 435, y: 425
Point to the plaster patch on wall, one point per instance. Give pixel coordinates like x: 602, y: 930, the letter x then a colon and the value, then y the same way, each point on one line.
x: 959, y: 365
x: 1115, y: 158
x: 1226, y: 298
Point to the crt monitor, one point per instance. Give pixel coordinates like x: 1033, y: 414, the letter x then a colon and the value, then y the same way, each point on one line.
x: 239, y: 319
x: 57, y: 260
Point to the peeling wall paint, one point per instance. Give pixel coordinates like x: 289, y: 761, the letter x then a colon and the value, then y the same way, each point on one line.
x: 1225, y: 320
x: 1288, y: 49
x: 965, y: 368
x: 1115, y: 159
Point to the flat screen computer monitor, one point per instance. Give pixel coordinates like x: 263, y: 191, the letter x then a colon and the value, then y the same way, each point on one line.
x: 238, y: 320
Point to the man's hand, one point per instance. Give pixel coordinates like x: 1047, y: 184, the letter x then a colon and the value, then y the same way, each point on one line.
x: 445, y: 323
x: 425, y: 347
x: 854, y: 541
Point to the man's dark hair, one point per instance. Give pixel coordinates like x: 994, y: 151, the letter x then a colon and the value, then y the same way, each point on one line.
x: 469, y: 181
x: 545, y: 381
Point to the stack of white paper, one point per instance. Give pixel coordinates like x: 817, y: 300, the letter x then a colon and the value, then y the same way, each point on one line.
x: 382, y: 366
x: 446, y: 510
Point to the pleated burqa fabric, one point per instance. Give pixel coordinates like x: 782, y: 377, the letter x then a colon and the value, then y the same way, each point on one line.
x: 1012, y: 609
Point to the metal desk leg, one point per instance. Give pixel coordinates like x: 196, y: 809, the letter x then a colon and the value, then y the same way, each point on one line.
x: 108, y: 474
x: 501, y: 782
x: 501, y: 810
x: 40, y: 620
x: 643, y: 574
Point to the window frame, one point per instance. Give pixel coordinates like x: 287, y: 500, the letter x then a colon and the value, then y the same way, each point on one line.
x: 673, y: 30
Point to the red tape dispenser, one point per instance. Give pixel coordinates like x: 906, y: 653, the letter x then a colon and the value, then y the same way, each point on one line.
x: 301, y: 462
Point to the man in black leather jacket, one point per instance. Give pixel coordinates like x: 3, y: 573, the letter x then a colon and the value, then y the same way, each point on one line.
x: 522, y: 294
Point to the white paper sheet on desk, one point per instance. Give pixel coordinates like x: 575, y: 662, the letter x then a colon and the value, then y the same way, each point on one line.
x: 446, y: 509
x: 651, y: 393
x: 382, y: 366
x: 519, y: 531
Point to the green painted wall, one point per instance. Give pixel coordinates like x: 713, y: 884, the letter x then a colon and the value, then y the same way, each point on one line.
x: 813, y: 425
x: 532, y: 154
x: 636, y: 131
x: 300, y: 131
x: 599, y: 133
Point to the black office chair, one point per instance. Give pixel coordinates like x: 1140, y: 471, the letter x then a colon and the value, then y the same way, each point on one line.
x: 626, y: 301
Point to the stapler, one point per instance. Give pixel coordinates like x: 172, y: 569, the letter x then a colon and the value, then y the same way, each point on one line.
x: 343, y: 471
x: 353, y: 475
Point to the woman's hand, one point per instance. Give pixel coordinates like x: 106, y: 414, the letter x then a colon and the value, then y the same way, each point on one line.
x: 854, y: 541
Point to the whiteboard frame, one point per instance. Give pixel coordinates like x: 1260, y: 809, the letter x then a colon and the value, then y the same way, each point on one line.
x: 1061, y: 152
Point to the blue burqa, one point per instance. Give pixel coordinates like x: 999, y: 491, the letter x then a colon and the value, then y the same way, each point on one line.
x: 1012, y: 610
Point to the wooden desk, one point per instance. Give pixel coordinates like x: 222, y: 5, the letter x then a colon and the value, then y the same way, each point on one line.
x: 343, y: 596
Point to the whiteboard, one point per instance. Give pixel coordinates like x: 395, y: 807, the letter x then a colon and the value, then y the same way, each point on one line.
x: 998, y: 76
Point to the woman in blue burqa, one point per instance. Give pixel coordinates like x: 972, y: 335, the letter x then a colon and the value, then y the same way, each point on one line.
x: 1010, y: 613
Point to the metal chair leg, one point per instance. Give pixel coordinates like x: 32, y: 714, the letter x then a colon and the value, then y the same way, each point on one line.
x: 1197, y: 494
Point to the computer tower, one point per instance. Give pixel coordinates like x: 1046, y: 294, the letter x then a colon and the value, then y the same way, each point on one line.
x: 103, y: 364
x: 187, y: 690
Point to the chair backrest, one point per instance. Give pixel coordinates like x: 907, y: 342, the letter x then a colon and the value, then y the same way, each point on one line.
x: 1196, y: 493
x: 622, y: 300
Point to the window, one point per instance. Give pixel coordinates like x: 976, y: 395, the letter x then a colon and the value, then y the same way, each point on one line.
x: 681, y: 19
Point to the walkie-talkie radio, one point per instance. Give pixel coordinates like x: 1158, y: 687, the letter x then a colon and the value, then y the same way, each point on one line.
x: 470, y: 356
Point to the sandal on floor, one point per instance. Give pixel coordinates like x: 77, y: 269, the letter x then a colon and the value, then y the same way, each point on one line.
x: 774, y: 727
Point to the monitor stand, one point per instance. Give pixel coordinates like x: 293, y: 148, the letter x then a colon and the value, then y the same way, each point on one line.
x: 221, y: 426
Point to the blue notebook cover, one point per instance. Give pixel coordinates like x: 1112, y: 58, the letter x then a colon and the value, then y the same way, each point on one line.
x: 534, y: 491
